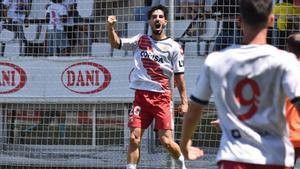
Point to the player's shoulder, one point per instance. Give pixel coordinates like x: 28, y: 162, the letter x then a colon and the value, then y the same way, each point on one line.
x: 240, y: 53
x: 171, y: 40
x: 282, y: 55
x: 173, y: 43
x: 219, y: 56
x: 137, y: 37
x: 140, y: 35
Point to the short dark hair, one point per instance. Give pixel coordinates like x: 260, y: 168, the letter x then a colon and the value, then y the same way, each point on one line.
x: 256, y: 12
x: 293, y: 42
x: 158, y: 7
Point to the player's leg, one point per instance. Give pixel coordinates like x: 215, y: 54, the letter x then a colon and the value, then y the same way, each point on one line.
x: 133, y: 154
x: 164, y: 124
x: 173, y: 148
x: 139, y: 120
x: 166, y: 139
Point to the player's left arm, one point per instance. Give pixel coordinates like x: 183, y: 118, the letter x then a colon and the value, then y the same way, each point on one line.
x: 179, y: 79
x: 181, y: 86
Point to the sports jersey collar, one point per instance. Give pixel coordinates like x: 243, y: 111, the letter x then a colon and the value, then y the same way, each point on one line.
x: 252, y: 45
x: 160, y: 39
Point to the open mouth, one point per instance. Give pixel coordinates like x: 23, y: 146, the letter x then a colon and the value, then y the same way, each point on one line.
x: 157, y: 28
x: 157, y: 25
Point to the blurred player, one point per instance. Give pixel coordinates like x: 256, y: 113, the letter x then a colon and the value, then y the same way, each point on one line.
x: 157, y: 58
x: 293, y: 44
x: 249, y: 84
x: 292, y: 116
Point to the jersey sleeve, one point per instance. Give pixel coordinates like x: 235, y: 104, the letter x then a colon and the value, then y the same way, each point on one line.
x: 130, y: 43
x: 178, y: 59
x: 291, y: 80
x: 202, y: 90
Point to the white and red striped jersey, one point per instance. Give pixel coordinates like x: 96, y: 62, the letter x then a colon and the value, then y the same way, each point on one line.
x: 155, y: 62
x: 249, y: 84
x: 56, y: 10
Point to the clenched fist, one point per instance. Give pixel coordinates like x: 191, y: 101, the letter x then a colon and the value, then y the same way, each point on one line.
x: 111, y: 20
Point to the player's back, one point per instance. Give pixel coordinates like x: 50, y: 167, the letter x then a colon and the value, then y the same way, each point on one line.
x: 248, y: 84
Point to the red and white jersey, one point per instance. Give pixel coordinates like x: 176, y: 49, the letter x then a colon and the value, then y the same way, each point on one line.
x: 56, y: 10
x: 155, y: 62
x: 249, y: 84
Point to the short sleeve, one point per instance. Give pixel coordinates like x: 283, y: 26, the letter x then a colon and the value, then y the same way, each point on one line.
x: 291, y: 80
x: 202, y: 90
x: 178, y: 59
x: 130, y: 43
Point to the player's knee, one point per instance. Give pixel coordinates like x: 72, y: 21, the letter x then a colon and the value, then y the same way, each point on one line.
x: 134, y: 140
x: 165, y: 141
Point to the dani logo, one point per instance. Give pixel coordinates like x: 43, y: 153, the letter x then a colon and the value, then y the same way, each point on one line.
x: 86, y: 78
x: 12, y: 78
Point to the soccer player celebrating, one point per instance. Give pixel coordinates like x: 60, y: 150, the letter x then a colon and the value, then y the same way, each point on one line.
x: 249, y: 83
x: 156, y: 59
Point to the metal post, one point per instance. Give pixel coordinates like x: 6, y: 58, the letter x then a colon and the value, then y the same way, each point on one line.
x: 171, y: 34
x: 55, y: 40
x: 126, y: 128
x: 2, y: 136
x: 171, y: 18
x: 94, y: 125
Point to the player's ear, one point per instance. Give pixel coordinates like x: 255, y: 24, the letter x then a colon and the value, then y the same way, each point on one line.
x: 165, y: 23
x: 271, y: 19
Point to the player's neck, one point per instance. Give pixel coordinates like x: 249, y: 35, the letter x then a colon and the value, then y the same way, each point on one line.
x: 159, y: 37
x: 255, y: 37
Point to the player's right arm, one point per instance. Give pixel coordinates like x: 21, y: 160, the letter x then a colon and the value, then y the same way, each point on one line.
x: 190, y: 122
x: 199, y: 98
x: 113, y: 37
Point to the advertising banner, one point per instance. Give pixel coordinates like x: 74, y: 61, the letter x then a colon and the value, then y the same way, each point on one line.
x: 70, y: 79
